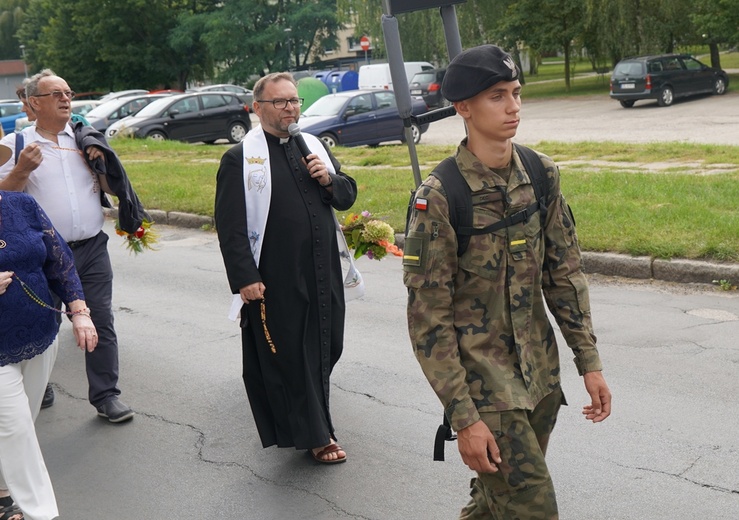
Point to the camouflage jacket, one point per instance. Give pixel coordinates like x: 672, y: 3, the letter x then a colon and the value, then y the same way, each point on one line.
x: 478, y: 323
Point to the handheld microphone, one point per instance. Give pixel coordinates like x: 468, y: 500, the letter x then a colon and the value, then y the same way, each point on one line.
x: 294, y: 131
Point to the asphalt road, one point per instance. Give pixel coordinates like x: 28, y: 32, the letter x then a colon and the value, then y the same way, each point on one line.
x: 705, y: 119
x: 669, y: 452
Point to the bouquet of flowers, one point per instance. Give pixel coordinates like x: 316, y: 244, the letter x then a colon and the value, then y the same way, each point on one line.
x: 144, y: 238
x: 368, y: 236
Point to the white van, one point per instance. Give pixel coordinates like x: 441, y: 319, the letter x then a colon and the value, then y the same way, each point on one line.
x: 378, y: 75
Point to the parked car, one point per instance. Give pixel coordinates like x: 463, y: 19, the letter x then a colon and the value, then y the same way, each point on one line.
x: 357, y: 117
x: 79, y: 107
x: 377, y: 75
x: 194, y: 117
x: 121, y: 93
x: 246, y: 95
x: 83, y: 106
x: 9, y: 112
x: 105, y: 114
x: 427, y: 85
x: 664, y: 78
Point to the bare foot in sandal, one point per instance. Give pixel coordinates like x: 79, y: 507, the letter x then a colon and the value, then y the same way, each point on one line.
x: 331, y: 454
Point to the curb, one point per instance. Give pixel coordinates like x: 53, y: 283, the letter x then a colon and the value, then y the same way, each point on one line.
x: 647, y: 268
x: 609, y: 264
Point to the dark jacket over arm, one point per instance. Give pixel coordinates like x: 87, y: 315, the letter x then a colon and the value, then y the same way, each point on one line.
x: 131, y: 212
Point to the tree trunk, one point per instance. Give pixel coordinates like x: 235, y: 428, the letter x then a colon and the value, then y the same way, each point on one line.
x: 715, y: 56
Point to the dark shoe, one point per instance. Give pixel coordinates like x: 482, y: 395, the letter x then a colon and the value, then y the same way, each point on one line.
x: 48, y: 399
x: 115, y: 411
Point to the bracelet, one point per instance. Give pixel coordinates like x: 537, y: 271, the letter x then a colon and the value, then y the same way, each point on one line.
x: 81, y: 312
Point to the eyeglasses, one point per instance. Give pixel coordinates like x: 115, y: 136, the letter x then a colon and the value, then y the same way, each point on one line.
x: 281, y: 104
x: 58, y: 94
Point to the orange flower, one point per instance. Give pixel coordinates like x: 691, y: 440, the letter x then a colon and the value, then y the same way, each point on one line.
x: 390, y: 248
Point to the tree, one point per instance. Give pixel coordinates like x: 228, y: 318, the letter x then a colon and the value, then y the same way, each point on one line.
x: 717, y: 22
x: 554, y: 26
x: 248, y: 37
x: 11, y: 16
x: 112, y: 44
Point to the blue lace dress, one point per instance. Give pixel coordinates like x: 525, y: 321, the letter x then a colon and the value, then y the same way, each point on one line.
x: 32, y: 249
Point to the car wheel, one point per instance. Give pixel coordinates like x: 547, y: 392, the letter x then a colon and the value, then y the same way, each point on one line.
x: 627, y: 104
x: 157, y: 135
x: 236, y: 132
x: 666, y: 97
x: 416, y: 131
x: 719, y: 86
x: 329, y: 139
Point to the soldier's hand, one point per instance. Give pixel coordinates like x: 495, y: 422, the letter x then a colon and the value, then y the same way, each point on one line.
x: 478, y: 448
x: 600, y: 407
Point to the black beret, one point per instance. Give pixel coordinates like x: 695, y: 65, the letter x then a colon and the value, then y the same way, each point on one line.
x: 475, y: 70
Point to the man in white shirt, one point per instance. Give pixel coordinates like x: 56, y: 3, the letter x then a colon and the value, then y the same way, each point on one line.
x: 53, y: 170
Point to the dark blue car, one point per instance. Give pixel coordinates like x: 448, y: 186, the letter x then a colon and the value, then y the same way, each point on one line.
x: 357, y: 117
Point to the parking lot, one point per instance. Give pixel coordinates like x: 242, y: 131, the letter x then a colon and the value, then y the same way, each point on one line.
x: 704, y: 119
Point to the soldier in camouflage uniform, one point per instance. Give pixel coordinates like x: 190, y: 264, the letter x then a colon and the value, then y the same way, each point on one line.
x: 478, y: 322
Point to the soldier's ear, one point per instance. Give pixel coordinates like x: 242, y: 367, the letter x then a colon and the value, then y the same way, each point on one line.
x: 462, y: 108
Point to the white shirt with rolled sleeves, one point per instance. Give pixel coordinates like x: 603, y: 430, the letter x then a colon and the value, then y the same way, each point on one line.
x: 63, y: 185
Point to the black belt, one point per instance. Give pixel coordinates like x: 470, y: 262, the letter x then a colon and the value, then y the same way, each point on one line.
x: 74, y: 244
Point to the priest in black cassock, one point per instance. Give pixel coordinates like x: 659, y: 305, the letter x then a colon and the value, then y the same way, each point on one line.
x: 278, y: 238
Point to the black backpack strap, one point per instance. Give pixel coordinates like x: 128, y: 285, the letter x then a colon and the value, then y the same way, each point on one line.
x: 443, y: 433
x: 18, y: 145
x: 459, y: 198
x: 539, y: 180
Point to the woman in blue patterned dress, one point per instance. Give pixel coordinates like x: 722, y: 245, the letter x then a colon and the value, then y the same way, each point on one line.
x: 34, y: 260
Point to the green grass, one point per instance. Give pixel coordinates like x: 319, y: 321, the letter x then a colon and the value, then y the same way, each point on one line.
x: 667, y: 200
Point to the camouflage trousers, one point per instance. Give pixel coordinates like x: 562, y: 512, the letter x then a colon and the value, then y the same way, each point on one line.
x: 522, y: 488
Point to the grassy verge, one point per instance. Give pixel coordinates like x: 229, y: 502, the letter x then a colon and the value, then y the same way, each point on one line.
x: 662, y: 200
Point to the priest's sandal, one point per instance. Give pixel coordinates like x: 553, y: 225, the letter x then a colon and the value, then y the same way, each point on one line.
x: 9, y: 510
x: 320, y: 456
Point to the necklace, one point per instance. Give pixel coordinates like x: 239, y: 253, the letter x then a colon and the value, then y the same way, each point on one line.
x: 47, y: 131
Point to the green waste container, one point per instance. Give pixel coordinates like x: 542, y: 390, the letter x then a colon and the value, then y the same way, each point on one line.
x: 311, y: 90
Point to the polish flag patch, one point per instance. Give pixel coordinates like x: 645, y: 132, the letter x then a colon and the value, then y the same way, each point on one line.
x: 422, y: 204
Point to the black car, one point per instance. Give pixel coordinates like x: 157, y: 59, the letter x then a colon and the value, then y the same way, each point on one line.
x: 664, y: 78
x: 427, y: 84
x: 195, y: 117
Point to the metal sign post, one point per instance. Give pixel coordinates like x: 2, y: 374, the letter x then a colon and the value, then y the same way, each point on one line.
x: 397, y: 64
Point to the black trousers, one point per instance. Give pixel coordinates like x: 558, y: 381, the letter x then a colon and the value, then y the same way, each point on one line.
x: 96, y: 273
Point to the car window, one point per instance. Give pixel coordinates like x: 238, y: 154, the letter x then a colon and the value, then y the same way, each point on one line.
x: 184, y: 106
x: 10, y: 110
x: 692, y: 64
x: 361, y: 104
x: 628, y: 68
x: 655, y: 66
x: 423, y: 77
x: 672, y: 64
x: 326, y: 106
x: 385, y: 99
x: 214, y: 101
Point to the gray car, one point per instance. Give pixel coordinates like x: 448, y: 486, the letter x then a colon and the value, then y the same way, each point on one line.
x: 105, y: 114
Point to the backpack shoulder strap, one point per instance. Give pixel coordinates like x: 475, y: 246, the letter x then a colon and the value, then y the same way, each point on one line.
x: 459, y: 198
x: 538, y: 174
x: 18, y: 145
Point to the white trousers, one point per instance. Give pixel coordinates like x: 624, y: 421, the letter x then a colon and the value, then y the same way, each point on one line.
x: 22, y: 468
